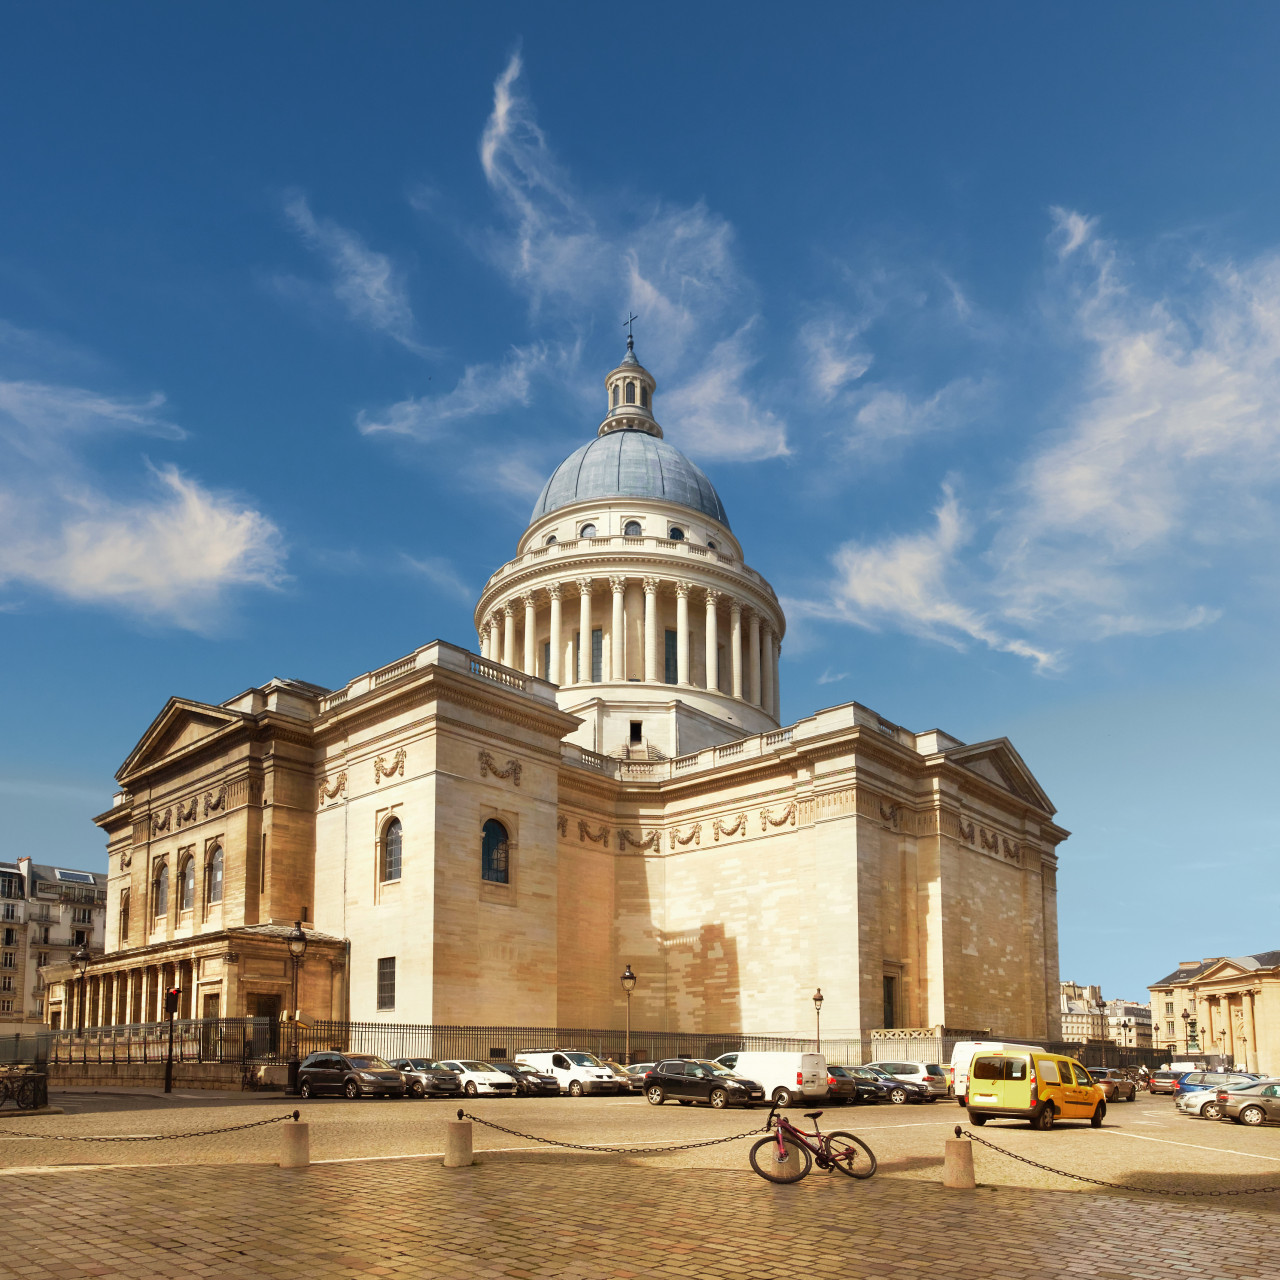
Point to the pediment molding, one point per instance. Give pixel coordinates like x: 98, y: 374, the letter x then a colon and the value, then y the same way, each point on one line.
x: 997, y: 762
x: 183, y: 727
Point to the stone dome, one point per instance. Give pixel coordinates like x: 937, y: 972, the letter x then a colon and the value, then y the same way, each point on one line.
x: 629, y: 464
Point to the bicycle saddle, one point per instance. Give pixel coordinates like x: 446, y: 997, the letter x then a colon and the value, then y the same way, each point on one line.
x: 812, y: 1115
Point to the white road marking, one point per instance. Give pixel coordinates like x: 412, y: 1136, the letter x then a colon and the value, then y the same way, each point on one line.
x: 1226, y: 1151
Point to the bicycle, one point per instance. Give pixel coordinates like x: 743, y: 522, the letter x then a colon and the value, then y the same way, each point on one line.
x: 21, y: 1088
x: 788, y: 1153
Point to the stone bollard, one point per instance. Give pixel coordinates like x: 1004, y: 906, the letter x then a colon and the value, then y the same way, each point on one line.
x: 458, y: 1153
x: 957, y: 1164
x: 295, y: 1151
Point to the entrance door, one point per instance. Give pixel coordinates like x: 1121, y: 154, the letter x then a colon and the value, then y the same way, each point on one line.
x: 209, y: 1037
x: 266, y: 1034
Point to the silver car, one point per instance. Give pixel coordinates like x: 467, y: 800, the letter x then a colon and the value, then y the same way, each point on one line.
x: 928, y: 1075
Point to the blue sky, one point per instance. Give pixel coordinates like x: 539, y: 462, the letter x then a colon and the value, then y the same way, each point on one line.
x: 972, y: 313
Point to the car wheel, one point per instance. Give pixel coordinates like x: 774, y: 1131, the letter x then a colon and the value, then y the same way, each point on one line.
x: 1099, y: 1113
x: 782, y: 1097
x: 655, y: 1095
x: 978, y: 1120
x: 470, y: 1089
x: 1252, y: 1116
x: 898, y: 1096
x: 304, y: 1089
x: 1212, y: 1111
x: 352, y: 1089
x: 575, y: 1088
x: 1044, y: 1118
x: 1133, y: 1094
x: 719, y: 1098
x: 418, y: 1089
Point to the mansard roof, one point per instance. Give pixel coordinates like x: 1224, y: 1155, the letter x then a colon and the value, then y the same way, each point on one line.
x: 1248, y: 964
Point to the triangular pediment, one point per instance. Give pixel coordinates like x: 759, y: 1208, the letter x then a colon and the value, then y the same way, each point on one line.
x: 182, y: 725
x: 999, y: 763
x: 1228, y: 969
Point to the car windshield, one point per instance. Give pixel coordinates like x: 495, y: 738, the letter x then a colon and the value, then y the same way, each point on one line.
x: 424, y: 1064
x: 932, y: 1069
x: 837, y: 1071
x: 507, y: 1068
x: 367, y: 1062
x: 879, y: 1075
x: 584, y: 1059
x: 716, y: 1068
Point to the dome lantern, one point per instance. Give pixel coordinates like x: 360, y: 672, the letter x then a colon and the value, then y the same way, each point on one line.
x: 630, y: 389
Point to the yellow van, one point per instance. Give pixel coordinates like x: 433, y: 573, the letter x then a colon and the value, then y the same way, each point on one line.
x: 1029, y: 1084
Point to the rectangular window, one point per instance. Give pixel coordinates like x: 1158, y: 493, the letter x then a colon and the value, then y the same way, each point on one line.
x: 42, y: 959
x: 890, y: 1000
x: 1168, y: 1006
x: 546, y: 659
x: 637, y: 732
x: 6, y: 1006
x: 671, y: 673
x: 597, y: 655
x: 6, y: 983
x: 11, y: 937
x: 81, y: 938
x: 387, y: 983
x: 44, y: 934
x: 82, y: 915
x: 8, y: 961
x: 10, y: 911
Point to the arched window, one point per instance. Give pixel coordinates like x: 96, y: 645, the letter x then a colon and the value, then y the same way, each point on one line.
x: 587, y: 531
x: 632, y: 529
x: 551, y: 537
x: 160, y: 892
x: 644, y: 397
x: 213, y: 886
x: 631, y: 393
x: 187, y: 886
x: 676, y: 534
x: 495, y: 862
x: 391, y: 838
x: 711, y: 544
x: 616, y: 389
x: 124, y: 917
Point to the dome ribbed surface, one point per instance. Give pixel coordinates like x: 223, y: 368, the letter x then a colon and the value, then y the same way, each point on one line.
x: 629, y: 464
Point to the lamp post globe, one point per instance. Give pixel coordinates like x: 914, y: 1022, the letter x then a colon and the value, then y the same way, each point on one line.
x: 817, y: 1013
x: 81, y: 961
x: 628, y: 981
x: 297, y: 949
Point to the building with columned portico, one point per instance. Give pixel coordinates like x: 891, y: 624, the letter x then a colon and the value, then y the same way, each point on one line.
x: 488, y: 836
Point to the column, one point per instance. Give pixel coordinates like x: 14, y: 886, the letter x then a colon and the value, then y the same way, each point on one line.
x: 766, y: 669
x: 557, y: 650
x: 682, y: 632
x: 508, y: 635
x: 530, y: 634
x: 584, y: 630
x: 618, y: 628
x: 753, y: 658
x: 1251, y: 1048
x: 495, y: 639
x: 735, y: 646
x: 713, y: 642
x: 777, y: 680
x: 651, y: 630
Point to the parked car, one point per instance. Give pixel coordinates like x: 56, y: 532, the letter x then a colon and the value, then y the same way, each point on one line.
x: 628, y: 1081
x: 962, y: 1054
x: 787, y: 1077
x: 1029, y: 1084
x: 928, y: 1075
x: 690, y: 1080
x: 423, y: 1076
x: 355, y: 1074
x: 578, y: 1072
x: 1115, y: 1085
x: 1195, y: 1081
x: 872, y: 1087
x: 529, y: 1082
x: 482, y: 1078
x: 840, y: 1086
x: 1164, y: 1081
x: 899, y: 1091
x: 1252, y: 1104
x: 1205, y: 1102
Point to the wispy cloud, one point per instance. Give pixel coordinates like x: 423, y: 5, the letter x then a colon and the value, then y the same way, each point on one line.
x: 170, y: 555
x: 439, y: 571
x: 886, y: 418
x: 366, y: 283
x: 832, y: 677
x: 835, y: 356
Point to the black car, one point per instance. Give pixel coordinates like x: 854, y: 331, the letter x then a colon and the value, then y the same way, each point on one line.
x: 423, y: 1076
x: 690, y: 1080
x: 355, y: 1074
x: 876, y: 1086
x: 529, y: 1082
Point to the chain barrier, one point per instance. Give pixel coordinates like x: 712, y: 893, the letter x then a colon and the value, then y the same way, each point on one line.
x: 1115, y: 1186
x: 625, y: 1151
x: 146, y: 1137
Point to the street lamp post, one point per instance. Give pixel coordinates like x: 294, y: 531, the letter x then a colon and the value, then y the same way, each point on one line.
x: 817, y: 1014
x: 628, y: 981
x: 81, y: 961
x: 1186, y: 1030
x: 297, y: 949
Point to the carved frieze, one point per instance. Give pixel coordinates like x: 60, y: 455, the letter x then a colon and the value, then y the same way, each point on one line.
x: 719, y: 829
x: 161, y: 821
x: 785, y: 816
x: 692, y: 836
x: 652, y: 841
x: 596, y: 837
x: 215, y: 800
x: 381, y: 769
x: 332, y: 791
x: 489, y: 766
x: 562, y: 824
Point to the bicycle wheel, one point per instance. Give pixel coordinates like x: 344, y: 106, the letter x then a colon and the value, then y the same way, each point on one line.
x: 792, y: 1165
x: 25, y: 1095
x: 851, y: 1155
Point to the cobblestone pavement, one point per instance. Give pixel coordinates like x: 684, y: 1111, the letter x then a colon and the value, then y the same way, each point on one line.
x: 538, y: 1213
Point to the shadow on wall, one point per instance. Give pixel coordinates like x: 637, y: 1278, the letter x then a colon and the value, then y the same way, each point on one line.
x: 702, y: 979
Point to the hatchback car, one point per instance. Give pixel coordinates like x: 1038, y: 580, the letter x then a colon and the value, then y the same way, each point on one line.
x: 1164, y: 1081
x: 928, y: 1075
x: 895, y: 1090
x: 354, y: 1074
x: 1194, y: 1081
x: 628, y: 1080
x: 841, y: 1086
x: 528, y: 1081
x: 1205, y: 1102
x: 690, y: 1080
x: 1115, y: 1085
x: 1252, y: 1104
x: 482, y: 1078
x: 424, y: 1076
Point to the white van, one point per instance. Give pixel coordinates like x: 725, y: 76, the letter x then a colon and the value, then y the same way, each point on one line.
x: 788, y: 1078
x: 578, y: 1072
x: 963, y: 1054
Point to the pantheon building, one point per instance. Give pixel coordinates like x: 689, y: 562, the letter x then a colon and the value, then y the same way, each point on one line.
x: 488, y: 835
